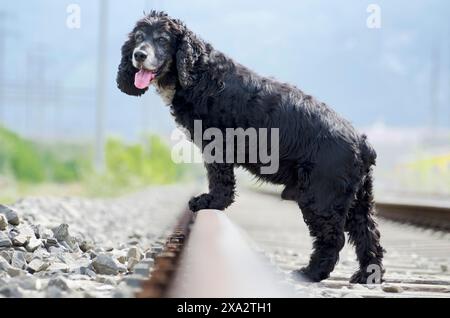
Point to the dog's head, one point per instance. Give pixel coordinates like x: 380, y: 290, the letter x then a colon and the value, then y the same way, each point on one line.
x: 157, y: 45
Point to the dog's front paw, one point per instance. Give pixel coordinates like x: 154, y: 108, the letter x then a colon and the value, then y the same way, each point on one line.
x: 201, y: 202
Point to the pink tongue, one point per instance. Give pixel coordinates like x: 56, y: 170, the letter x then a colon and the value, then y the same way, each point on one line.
x: 143, y: 79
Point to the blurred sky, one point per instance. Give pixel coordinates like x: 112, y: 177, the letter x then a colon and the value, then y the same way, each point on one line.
x: 322, y: 46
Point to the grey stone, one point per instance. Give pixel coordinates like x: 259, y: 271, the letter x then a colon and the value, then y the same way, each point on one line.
x: 61, y: 233
x: 109, y: 248
x: 391, y: 288
x: 93, y: 254
x: 37, y: 230
x: 18, y: 260
x: 135, y: 252
x: 72, y: 247
x: 29, y: 257
x: 7, y: 255
x: 51, y: 241
x: 14, y: 272
x: 142, y: 270
x: 105, y: 265
x: 60, y: 283
x: 11, y: 291
x: 4, y: 265
x: 54, y: 292
x: 43, y: 233
x: 122, y: 259
x: 155, y: 251
x: 19, y: 240
x: 56, y: 250
x: 58, y: 267
x: 105, y: 280
x: 66, y: 258
x: 4, y: 279
x: 37, y: 265
x: 33, y: 244
x: 86, y: 246
x: 30, y: 283
x: 132, y: 262
x: 86, y: 271
x: 122, y: 268
x: 11, y: 215
x: 148, y: 261
x: 46, y: 234
x: 4, y: 240
x: 135, y: 281
x: 26, y: 230
x: 3, y: 222
x: 65, y: 245
x: 124, y: 291
x: 80, y: 277
x: 40, y: 253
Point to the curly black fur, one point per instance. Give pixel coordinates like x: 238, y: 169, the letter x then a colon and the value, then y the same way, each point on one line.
x: 325, y: 165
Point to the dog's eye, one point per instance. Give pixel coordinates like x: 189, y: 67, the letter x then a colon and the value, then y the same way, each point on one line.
x: 161, y: 40
x: 139, y: 37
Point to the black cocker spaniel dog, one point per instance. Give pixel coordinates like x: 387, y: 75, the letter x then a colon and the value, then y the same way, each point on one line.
x: 324, y: 164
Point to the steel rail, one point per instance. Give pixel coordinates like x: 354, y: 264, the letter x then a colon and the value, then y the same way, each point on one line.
x: 208, y: 256
x: 218, y: 262
x: 436, y: 217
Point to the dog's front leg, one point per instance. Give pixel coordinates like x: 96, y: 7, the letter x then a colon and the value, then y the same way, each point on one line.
x: 221, y: 188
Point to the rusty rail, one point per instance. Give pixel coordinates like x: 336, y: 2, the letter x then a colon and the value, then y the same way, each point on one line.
x: 218, y: 262
x: 166, y: 261
x: 207, y: 256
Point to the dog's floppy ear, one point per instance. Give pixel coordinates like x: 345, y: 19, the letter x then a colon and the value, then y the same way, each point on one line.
x: 126, y: 72
x: 189, y: 51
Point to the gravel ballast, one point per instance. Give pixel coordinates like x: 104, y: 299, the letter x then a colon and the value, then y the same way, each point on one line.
x: 73, y: 247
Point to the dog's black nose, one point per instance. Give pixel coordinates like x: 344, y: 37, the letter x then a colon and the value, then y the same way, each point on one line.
x: 140, y: 56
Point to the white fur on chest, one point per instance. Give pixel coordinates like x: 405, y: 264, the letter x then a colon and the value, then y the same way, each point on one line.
x: 167, y: 93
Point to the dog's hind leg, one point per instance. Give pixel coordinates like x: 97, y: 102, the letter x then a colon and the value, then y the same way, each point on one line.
x: 327, y: 229
x: 364, y: 234
x: 329, y: 239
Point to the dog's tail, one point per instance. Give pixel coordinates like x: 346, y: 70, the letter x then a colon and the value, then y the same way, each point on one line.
x: 368, y: 154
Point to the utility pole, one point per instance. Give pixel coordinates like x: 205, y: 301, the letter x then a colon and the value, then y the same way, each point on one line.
x: 101, y: 85
x: 37, y: 81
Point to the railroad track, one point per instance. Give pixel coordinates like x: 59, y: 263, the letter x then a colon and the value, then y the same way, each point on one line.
x: 207, y: 257
x: 213, y: 245
x: 431, y: 214
x: 421, y: 214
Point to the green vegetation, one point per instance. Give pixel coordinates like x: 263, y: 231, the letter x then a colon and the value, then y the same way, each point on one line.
x: 426, y: 174
x: 131, y: 167
x: 26, y: 165
x: 29, y: 162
